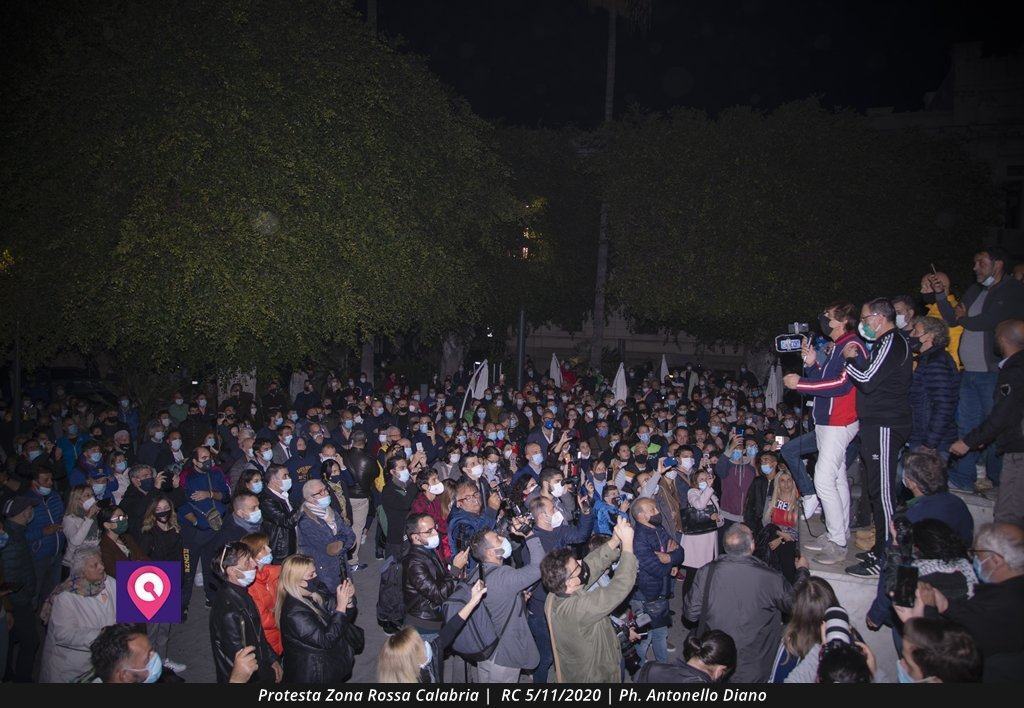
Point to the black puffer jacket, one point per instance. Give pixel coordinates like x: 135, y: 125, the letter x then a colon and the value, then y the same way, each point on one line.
x: 363, y: 467
x: 320, y: 645
x: 234, y: 624
x: 279, y: 524
x: 426, y: 584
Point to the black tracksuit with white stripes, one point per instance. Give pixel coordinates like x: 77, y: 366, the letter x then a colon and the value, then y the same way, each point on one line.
x: 883, y: 407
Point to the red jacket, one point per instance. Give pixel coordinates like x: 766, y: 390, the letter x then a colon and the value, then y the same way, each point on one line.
x: 263, y: 592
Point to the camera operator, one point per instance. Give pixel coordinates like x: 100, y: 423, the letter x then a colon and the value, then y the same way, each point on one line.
x: 584, y: 642
x: 835, y: 427
x: 553, y: 487
x: 551, y: 527
x: 883, y: 407
x: 426, y: 581
x: 469, y: 517
x: 658, y: 555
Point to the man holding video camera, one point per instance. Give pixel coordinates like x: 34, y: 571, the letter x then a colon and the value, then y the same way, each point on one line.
x: 835, y: 424
x: 883, y: 406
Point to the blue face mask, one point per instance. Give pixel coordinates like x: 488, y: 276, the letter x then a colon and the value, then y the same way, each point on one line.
x: 423, y: 428
x: 751, y: 451
x: 98, y: 490
x: 978, y: 565
x: 348, y: 425
x: 33, y: 455
x: 549, y: 424
x: 492, y: 436
x: 715, y: 429
x: 257, y: 487
x: 901, y: 672
x: 501, y: 435
x: 448, y: 430
x: 602, y: 433
x: 645, y: 437
x: 95, y: 457
x: 737, y: 455
x: 767, y: 469
x: 154, y: 668
x: 255, y: 517
x: 4, y: 538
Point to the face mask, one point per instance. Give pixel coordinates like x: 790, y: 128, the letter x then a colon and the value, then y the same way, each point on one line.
x: 449, y: 415
x: 549, y: 424
x: 978, y: 566
x: 158, y: 436
x: 91, y: 502
x: 492, y: 436
x: 121, y: 526
x: 348, y: 424
x: 537, y: 458
x: 427, y: 648
x: 436, y: 489
x: 121, y: 466
x: 655, y: 520
x: 645, y: 437
x: 461, y: 439
x: 278, y: 420
x: 901, y: 321
x: 248, y: 576
x: 989, y: 281
x: 95, y: 457
x: 403, y: 476
x: 790, y: 423
x: 715, y: 429
x: 915, y: 343
x: 408, y: 453
x: 433, y: 541
x: 179, y: 401
x: 286, y: 484
x: 475, y: 471
x: 45, y: 491
x: 557, y: 519
x: 323, y: 502
x: 751, y: 451
x: 501, y: 435
x: 265, y: 560
x: 491, y: 467
x: 506, y: 548
x: 687, y: 463
x: 602, y: 433
x: 766, y: 469
x: 255, y: 517
x: 175, y: 445
x: 736, y: 455
x: 823, y: 323
x: 33, y: 455
x: 454, y: 457
x: 557, y: 489
x: 903, y: 674
x: 671, y: 474
x: 867, y: 331
x: 702, y: 486
x: 153, y: 669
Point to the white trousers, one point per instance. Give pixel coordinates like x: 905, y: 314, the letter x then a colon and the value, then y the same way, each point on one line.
x: 830, y: 483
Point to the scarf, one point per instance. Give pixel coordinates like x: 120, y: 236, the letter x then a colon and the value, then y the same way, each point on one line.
x: 327, y: 514
x: 73, y: 584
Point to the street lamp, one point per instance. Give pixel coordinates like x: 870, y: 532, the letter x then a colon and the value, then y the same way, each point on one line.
x: 524, y: 253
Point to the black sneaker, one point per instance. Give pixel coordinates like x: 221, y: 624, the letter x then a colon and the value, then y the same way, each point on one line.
x: 865, y: 555
x: 209, y: 603
x: 865, y: 569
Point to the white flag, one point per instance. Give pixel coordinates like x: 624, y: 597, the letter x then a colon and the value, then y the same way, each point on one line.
x: 664, y: 369
x: 773, y: 391
x: 619, y: 390
x: 476, y: 386
x: 556, y: 371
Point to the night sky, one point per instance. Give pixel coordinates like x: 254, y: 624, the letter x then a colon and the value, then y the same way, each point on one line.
x: 542, y: 62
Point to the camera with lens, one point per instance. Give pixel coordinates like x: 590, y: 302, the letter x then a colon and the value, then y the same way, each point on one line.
x: 513, y: 507
x: 640, y: 624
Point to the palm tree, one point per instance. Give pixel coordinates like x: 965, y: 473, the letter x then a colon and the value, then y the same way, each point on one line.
x: 638, y: 12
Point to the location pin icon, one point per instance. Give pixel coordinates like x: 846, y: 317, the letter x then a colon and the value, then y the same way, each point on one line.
x: 149, y: 587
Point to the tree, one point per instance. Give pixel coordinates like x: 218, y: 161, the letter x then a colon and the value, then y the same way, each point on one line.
x: 235, y: 184
x: 762, y: 219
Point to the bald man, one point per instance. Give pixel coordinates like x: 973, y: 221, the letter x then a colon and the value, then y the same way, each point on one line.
x: 1003, y: 424
x: 932, y: 310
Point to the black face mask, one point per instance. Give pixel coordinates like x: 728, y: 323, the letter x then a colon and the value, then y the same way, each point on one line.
x: 928, y: 298
x: 163, y: 516
x: 915, y: 343
x: 655, y: 520
x: 823, y: 323
x: 641, y: 460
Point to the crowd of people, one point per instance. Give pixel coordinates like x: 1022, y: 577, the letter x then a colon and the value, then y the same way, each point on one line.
x: 554, y: 531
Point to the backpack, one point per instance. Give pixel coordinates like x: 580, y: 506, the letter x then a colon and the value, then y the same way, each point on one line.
x: 390, y: 600
x: 478, y: 639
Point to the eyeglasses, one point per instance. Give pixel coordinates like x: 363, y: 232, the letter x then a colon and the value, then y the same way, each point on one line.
x: 972, y: 553
x: 870, y: 314
x: 467, y: 498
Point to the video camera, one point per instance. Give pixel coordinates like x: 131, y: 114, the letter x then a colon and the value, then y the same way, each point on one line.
x: 791, y: 342
x: 639, y: 623
x: 512, y: 507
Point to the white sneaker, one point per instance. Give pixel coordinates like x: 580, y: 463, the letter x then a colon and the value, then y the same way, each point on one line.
x: 174, y: 666
x: 833, y: 554
x: 817, y: 544
x: 810, y: 503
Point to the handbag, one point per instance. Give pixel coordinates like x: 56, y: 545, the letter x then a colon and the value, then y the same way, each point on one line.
x: 698, y: 521
x: 213, y: 517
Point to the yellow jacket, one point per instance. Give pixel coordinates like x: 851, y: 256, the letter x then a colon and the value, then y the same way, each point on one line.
x: 954, y: 331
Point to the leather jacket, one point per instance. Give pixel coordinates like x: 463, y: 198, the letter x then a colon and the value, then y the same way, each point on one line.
x: 363, y: 467
x: 279, y: 523
x: 426, y: 584
x: 234, y: 624
x: 321, y: 644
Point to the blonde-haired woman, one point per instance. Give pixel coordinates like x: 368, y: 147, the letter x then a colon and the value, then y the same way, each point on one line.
x: 80, y: 527
x: 318, y: 630
x: 161, y: 540
x: 407, y: 658
x: 778, y: 544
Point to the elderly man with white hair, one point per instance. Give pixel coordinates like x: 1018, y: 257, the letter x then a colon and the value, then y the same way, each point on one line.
x: 323, y: 535
x: 75, y: 613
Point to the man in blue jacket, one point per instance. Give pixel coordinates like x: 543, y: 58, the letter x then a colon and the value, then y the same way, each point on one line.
x: 468, y: 517
x: 934, y: 388
x: 658, y: 555
x: 45, y: 533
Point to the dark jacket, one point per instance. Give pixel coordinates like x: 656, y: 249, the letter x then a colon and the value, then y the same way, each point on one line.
x: 675, y: 671
x: 835, y: 400
x: 654, y: 579
x: 363, y: 467
x: 426, y: 584
x: 462, y: 525
x: 934, y: 392
x: 1005, y: 301
x: 162, y: 545
x: 883, y: 382
x: 313, y: 537
x: 396, y: 502
x: 1003, y: 422
x: 995, y: 618
x: 234, y: 624
x: 193, y: 432
x: 758, y: 493
x: 319, y: 645
x: 135, y: 503
x: 155, y: 454
x: 945, y: 507
x: 111, y: 553
x: 279, y: 523
x: 18, y: 567
x: 747, y: 600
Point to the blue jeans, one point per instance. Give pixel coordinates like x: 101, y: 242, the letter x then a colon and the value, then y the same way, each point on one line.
x: 800, y: 447
x: 539, y: 629
x: 659, y: 638
x: 977, y: 396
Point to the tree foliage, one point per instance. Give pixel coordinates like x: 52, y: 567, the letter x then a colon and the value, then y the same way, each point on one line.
x: 224, y: 184
x: 728, y: 228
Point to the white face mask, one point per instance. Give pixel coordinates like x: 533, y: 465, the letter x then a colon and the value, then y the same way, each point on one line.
x: 403, y: 476
x: 429, y: 650
x: 557, y: 489
x: 436, y: 489
x: 433, y: 542
x: 89, y: 503
x: 687, y: 463
x: 901, y: 321
x: 671, y: 474
x: 557, y: 519
x: 454, y: 458
x: 475, y: 471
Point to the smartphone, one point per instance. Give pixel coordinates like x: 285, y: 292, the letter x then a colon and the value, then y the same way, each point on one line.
x: 905, y: 588
x: 419, y: 447
x: 740, y: 430
x: 670, y: 462
x: 241, y: 626
x: 780, y: 440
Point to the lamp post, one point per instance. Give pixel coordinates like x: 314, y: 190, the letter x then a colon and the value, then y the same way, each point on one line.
x: 521, y: 335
